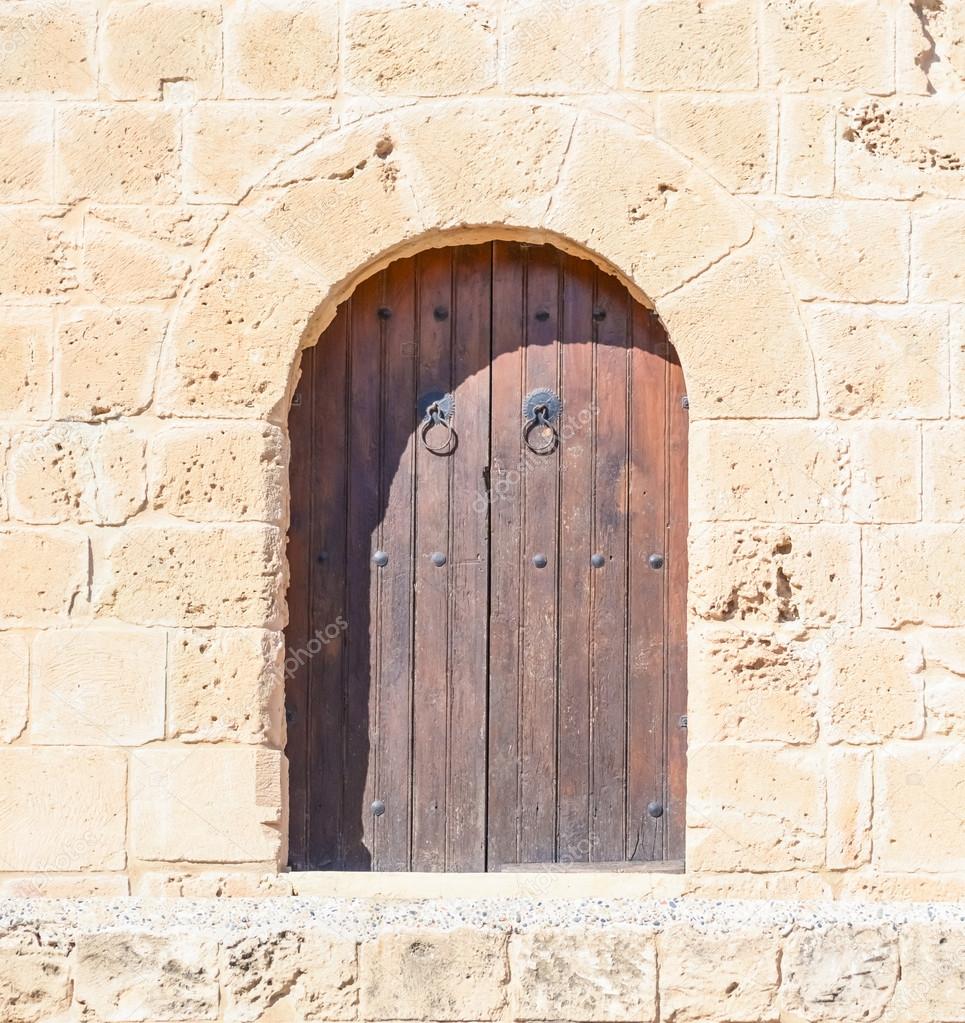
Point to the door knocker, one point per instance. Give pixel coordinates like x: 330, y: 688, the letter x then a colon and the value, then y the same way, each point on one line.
x: 438, y: 410
x: 542, y: 407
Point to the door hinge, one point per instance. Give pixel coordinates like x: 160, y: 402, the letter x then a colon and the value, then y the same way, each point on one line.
x: 684, y: 401
x: 682, y: 721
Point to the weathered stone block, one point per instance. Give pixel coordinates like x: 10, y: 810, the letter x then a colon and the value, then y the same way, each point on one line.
x: 227, y: 473
x: 569, y: 47
x: 26, y: 160
x: 912, y: 575
x: 932, y: 973
x: 229, y: 147
x: 943, y: 653
x: 14, y: 685
x: 803, y: 574
x: 76, y: 473
x: 831, y: 44
x: 125, y: 153
x: 734, y: 138
x: 393, y: 47
x: 687, y: 45
x: 97, y: 687
x: 885, y: 471
x: 711, y: 977
x: 191, y: 576
x: 134, y: 976
x: 958, y: 360
x: 919, y: 807
x: 755, y: 808
x: 850, y: 794
x: 106, y: 362
x: 45, y: 573
x: 287, y: 49
x: 68, y: 806
x: 839, y: 973
x: 806, y: 153
x: 944, y: 472
x: 34, y: 977
x: 207, y: 804
x: 147, y: 43
x: 48, y: 49
x: 938, y: 254
x: 880, y: 362
x: 226, y: 685
x: 931, y: 47
x: 594, y: 975
x: 303, y: 976
x: 438, y: 975
x: 26, y: 363
x: 750, y: 686
x: 36, y: 259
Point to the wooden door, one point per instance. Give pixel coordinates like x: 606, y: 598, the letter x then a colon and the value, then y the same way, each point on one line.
x: 487, y: 648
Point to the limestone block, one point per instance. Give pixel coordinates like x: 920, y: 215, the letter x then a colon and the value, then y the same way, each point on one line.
x: 66, y: 808
x: 932, y: 974
x: 45, y: 573
x: 751, y: 686
x: 551, y: 47
x: 752, y: 807
x: 76, y: 473
x: 34, y: 977
x: 734, y: 138
x: 931, y: 47
x: 958, y: 360
x: 912, y: 574
x: 774, y: 472
x: 885, y: 461
x: 229, y: 147
x: 938, y: 254
x: 759, y: 574
x: 850, y: 793
x: 806, y: 153
x: 722, y: 322
x: 284, y: 976
x: 148, y: 43
x: 64, y: 886
x: 207, y: 804
x: 26, y: 356
x: 132, y: 976
x: 226, y: 685
x: 674, y: 220
x: 827, y: 44
x: 920, y: 803
x: 437, y: 975
x: 26, y: 159
x: 901, y: 148
x: 943, y: 652
x: 842, y: 972
x: 711, y: 976
x: 105, y: 362
x: 97, y: 687
x: 14, y: 685
x: 395, y: 47
x: 36, y: 259
x: 594, y: 975
x: 125, y: 153
x: 840, y: 250
x: 48, y: 49
x: 287, y: 49
x: 880, y: 361
x: 688, y: 45
x: 225, y: 473
x: 198, y: 576
x: 211, y: 884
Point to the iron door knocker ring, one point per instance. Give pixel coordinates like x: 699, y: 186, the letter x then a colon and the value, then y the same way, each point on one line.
x: 541, y: 408
x: 438, y: 410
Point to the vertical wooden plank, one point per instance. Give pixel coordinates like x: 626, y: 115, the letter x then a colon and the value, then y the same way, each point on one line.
x: 647, y: 607
x: 469, y: 611
x: 505, y: 510
x: 361, y: 682
x: 676, y: 598
x: 430, y: 738
x: 609, y: 586
x: 539, y: 606
x: 576, y: 390
x: 392, y: 724
x: 297, y: 633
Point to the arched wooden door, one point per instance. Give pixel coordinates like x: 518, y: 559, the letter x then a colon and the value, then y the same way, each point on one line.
x: 487, y: 639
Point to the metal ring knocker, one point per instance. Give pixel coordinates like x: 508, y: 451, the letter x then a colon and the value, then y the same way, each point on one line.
x: 541, y: 408
x: 438, y: 410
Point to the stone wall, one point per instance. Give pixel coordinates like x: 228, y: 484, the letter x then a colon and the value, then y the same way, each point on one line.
x: 188, y: 189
